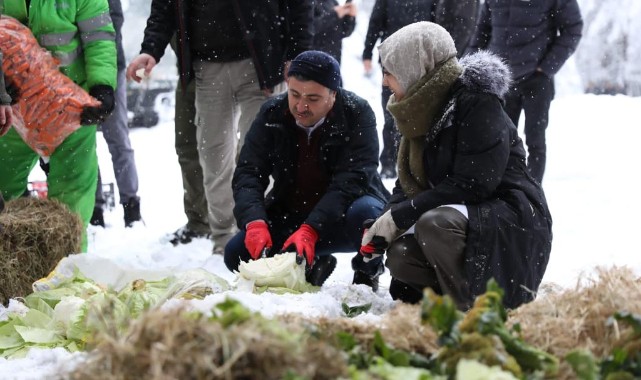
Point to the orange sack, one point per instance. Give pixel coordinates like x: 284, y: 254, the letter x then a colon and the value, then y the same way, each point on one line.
x: 49, y: 105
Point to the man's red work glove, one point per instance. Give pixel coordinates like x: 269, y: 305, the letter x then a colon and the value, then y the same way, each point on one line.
x: 304, y: 240
x: 257, y: 238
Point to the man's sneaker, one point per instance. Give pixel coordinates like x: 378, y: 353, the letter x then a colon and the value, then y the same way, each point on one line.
x: 320, y: 271
x: 367, y: 273
x: 132, y: 211
x: 97, y: 218
x: 220, y: 241
x: 184, y: 235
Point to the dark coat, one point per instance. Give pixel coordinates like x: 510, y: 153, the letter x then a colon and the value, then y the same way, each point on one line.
x: 348, y: 147
x: 388, y: 16
x: 529, y: 34
x: 474, y: 156
x: 329, y: 30
x: 459, y: 18
x: 269, y: 41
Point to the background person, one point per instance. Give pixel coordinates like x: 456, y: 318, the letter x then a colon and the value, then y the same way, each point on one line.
x: 81, y: 36
x: 535, y: 39
x: 236, y: 53
x: 332, y: 23
x: 115, y: 130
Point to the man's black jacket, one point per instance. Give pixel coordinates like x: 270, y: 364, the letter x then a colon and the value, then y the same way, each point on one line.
x: 275, y: 31
x: 349, y: 149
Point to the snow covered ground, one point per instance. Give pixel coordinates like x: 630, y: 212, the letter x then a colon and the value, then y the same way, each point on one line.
x: 589, y: 183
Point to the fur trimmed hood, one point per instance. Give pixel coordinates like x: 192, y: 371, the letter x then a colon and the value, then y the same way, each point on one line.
x: 485, y: 72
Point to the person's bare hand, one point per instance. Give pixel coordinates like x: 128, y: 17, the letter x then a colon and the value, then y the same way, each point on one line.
x: 367, y: 66
x: 142, y: 62
x: 351, y: 9
x: 343, y: 10
x: 6, y: 119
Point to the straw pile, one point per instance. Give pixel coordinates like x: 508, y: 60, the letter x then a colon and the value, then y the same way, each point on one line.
x: 401, y: 328
x: 168, y: 345
x: 34, y: 235
x: 178, y: 345
x: 578, y: 318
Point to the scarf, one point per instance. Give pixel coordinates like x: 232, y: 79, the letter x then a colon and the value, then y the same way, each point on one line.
x: 415, y: 116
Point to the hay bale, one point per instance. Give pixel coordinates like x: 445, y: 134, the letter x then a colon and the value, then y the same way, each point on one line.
x: 34, y: 235
x: 576, y: 318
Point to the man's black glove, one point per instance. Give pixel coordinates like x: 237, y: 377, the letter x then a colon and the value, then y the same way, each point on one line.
x: 12, y: 91
x: 96, y: 115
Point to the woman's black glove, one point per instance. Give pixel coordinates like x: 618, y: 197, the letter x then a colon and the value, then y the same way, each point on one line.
x: 96, y: 115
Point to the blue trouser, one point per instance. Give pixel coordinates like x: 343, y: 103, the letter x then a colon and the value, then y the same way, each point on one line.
x: 342, y: 236
x: 116, y: 133
x: 533, y: 95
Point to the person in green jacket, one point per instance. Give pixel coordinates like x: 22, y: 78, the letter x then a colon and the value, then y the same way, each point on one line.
x: 80, y: 34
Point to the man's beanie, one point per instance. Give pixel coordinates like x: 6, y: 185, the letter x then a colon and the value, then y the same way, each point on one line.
x: 319, y: 67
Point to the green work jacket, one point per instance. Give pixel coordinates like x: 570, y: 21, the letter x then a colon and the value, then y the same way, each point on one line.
x: 79, y: 33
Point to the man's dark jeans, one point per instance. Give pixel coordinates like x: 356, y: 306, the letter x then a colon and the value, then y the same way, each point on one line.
x: 343, y: 236
x: 533, y: 95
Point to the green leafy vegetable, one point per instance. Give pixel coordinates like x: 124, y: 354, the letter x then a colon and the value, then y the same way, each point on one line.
x: 352, y: 311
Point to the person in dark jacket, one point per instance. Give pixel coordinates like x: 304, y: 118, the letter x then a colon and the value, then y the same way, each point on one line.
x: 535, y: 38
x: 332, y: 23
x: 236, y: 50
x: 459, y: 18
x: 464, y: 209
x: 319, y: 143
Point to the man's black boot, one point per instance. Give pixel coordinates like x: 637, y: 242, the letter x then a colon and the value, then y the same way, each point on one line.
x: 320, y: 271
x: 132, y: 211
x: 184, y: 235
x: 97, y: 218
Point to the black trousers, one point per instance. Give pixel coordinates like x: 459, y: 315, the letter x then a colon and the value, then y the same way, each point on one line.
x: 533, y: 95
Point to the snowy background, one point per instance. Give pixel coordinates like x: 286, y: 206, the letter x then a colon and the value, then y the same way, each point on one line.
x: 589, y: 183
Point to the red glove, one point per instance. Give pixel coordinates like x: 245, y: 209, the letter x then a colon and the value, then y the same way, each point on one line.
x: 257, y: 237
x: 376, y: 247
x: 304, y: 239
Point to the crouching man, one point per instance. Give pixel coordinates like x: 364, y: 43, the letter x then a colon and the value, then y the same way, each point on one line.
x: 320, y: 145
